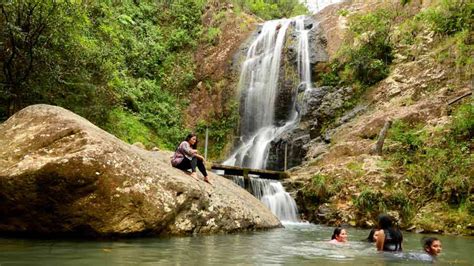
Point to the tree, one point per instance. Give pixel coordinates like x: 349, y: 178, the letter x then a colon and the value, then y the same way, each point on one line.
x: 25, y: 26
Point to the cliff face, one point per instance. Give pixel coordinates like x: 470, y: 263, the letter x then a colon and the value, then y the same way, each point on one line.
x: 337, y: 178
x: 342, y: 181
x: 216, y: 78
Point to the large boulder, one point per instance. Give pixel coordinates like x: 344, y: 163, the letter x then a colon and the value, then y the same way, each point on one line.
x: 61, y: 175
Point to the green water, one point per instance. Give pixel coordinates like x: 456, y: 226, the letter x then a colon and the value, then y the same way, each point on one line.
x: 297, y: 244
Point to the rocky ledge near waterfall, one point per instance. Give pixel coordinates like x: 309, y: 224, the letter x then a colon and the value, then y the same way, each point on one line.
x: 61, y: 175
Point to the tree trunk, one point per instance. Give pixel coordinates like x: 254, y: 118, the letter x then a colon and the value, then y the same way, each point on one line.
x: 377, y: 150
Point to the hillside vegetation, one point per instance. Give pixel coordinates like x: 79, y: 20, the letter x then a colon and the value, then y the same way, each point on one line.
x: 128, y: 66
x: 411, y: 67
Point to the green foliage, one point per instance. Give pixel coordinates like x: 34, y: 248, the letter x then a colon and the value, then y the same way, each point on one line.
x: 47, y: 58
x: 411, y: 137
x: 212, y: 36
x: 272, y: 9
x: 404, y: 2
x: 125, y: 66
x: 127, y: 127
x: 462, y: 126
x: 153, y: 107
x: 219, y: 129
x: 331, y: 77
x: 367, y: 60
x: 374, y: 202
x: 449, y: 17
x: 321, y: 188
x: 370, y: 201
x: 440, y: 164
x: 343, y: 12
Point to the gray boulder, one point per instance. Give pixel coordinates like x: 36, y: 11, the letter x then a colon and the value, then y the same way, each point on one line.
x: 61, y: 175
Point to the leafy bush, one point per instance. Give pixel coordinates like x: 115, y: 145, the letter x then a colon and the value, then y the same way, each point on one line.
x: 373, y: 202
x: 128, y: 127
x: 370, y: 201
x: 123, y: 66
x: 212, y: 35
x: 462, y: 126
x: 366, y: 58
x: 219, y: 129
x: 321, y: 188
x: 449, y: 17
x: 439, y: 165
x: 272, y: 9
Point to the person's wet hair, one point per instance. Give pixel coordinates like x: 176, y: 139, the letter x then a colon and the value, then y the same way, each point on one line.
x: 428, y: 241
x: 336, y: 232
x: 385, y: 221
x: 370, y: 238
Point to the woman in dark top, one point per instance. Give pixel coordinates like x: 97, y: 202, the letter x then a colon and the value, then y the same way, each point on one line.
x: 187, y: 157
x: 389, y: 238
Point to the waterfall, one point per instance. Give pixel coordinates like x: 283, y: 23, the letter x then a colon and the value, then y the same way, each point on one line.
x: 304, y: 68
x: 314, y: 6
x: 258, y: 85
x: 274, y: 196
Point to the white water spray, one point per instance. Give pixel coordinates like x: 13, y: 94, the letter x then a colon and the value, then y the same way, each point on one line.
x: 274, y: 196
x: 258, y: 84
x: 314, y: 6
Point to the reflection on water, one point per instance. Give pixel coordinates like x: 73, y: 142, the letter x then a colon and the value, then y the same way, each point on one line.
x: 296, y: 244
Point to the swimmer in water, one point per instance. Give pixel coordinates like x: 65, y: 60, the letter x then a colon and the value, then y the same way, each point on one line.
x: 339, y: 236
x: 372, y: 238
x: 432, y: 246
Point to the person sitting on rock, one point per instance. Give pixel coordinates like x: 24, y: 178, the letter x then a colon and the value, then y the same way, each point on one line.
x: 339, y: 236
x: 187, y: 157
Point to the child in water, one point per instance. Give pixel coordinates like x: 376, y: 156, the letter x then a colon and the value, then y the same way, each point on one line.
x: 432, y: 246
x: 339, y: 236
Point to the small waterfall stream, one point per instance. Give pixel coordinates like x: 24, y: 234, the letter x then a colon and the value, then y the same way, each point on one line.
x: 259, y: 87
x: 274, y: 196
x: 317, y: 5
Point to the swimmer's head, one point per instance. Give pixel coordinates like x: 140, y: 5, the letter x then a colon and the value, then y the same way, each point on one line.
x: 432, y: 246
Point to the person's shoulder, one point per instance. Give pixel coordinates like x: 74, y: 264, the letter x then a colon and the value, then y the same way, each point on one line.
x: 421, y: 257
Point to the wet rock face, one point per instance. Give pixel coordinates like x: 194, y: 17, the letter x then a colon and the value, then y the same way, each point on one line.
x: 294, y: 143
x: 61, y: 175
x: 322, y: 104
x: 289, y: 80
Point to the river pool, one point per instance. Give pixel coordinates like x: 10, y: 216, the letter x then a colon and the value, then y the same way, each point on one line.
x: 296, y: 244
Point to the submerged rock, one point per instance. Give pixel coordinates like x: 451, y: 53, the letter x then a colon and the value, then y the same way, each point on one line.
x: 61, y: 175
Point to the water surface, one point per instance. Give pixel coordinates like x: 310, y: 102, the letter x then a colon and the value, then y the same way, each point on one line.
x: 296, y: 244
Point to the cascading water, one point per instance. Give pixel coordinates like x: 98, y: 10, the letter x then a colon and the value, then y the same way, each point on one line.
x: 274, y: 196
x: 259, y: 87
x: 258, y: 84
x: 314, y: 6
